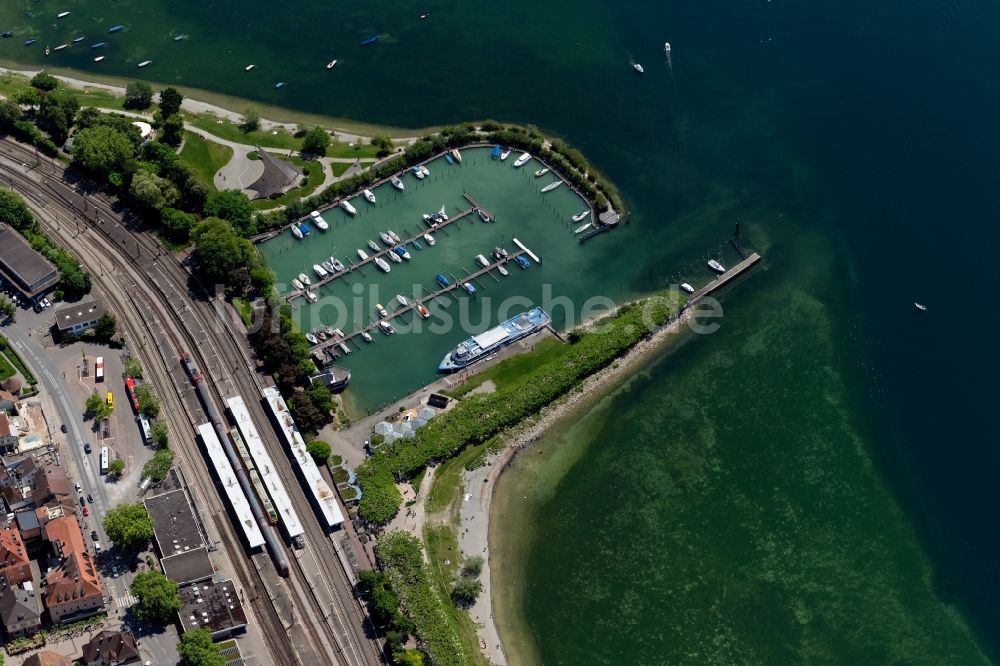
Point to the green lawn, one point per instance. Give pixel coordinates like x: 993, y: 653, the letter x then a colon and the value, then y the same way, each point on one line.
x: 514, y: 368
x: 103, y: 99
x: 313, y: 170
x: 204, y: 157
x: 339, y: 168
x: 227, y: 129
x: 340, y: 149
x: 6, y: 369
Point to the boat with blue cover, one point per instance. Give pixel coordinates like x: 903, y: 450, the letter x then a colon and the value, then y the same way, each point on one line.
x: 521, y: 261
x: 496, y: 152
x: 370, y: 40
x: 448, y: 158
x: 469, y: 288
x: 116, y: 28
x: 303, y: 228
x: 480, y: 346
x: 442, y: 280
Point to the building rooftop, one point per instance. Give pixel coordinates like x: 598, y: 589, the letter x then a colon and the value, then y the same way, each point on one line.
x: 173, y: 523
x: 47, y: 658
x: 238, y: 502
x: 76, y: 576
x: 213, y: 605
x: 110, y: 647
x: 278, y: 177
x: 75, y: 314
x: 188, y: 567
x: 22, y: 265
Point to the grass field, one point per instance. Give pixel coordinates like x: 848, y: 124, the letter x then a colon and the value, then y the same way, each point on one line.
x: 6, y: 369
x: 204, y: 157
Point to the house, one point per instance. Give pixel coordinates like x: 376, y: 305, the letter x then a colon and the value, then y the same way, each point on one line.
x: 73, y: 587
x: 52, y: 484
x: 8, y: 402
x: 20, y: 609
x: 47, y: 658
x: 110, y: 648
x: 75, y: 318
x: 8, y: 435
x: 15, y: 563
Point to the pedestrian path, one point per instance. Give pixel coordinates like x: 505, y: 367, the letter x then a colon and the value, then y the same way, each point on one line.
x: 126, y: 601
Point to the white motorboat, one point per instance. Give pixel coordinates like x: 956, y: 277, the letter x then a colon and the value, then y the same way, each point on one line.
x: 522, y: 160
x: 502, y: 270
x: 583, y: 227
x: 666, y: 47
x: 320, y: 223
x: 423, y: 311
x: 456, y: 155
x: 366, y: 336
x: 500, y: 253
x: 381, y: 263
x: 304, y: 279
x: 331, y: 64
x: 424, y: 170
x: 541, y: 172
x: 380, y: 311
x: 337, y: 266
x: 313, y: 340
x: 402, y: 300
x: 362, y: 255
x: 311, y: 297
x: 60, y: 47
x: 579, y: 217
x: 99, y: 58
x: 505, y: 154
x: 320, y: 271
x: 62, y: 14
x: 397, y: 183
x: 482, y: 261
x: 443, y: 215
x: 484, y: 216
x: 396, y: 259
x: 716, y: 266
x: 686, y: 287
x: 430, y: 239
x: 920, y: 306
x: 386, y: 327
x: 373, y: 245
x: 418, y: 172
x: 337, y: 332
x: 346, y: 205
x: 369, y: 196
x: 319, y: 333
x: 248, y: 68
x: 393, y: 235
x: 298, y: 284
x: 296, y: 231
x: 386, y: 238
x: 552, y: 186
x: 639, y: 68
x: 327, y: 266
x: 144, y: 63
x: 343, y: 347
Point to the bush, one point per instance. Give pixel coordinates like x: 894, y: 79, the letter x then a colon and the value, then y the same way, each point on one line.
x: 465, y: 591
x: 129, y: 526
x: 319, y: 450
x: 159, y: 465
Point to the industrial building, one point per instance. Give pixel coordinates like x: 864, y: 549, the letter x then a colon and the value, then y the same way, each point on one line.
x: 25, y: 268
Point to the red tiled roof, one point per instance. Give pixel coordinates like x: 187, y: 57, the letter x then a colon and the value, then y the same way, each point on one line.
x: 76, y: 577
x: 14, y: 556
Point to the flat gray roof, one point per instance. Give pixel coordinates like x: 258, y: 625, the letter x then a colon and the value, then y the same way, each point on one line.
x: 215, y: 606
x: 22, y: 265
x: 75, y: 314
x: 189, y: 566
x: 173, y: 523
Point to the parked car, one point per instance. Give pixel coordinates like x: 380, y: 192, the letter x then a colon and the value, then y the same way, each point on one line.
x: 86, y: 510
x: 78, y: 487
x: 90, y: 499
x: 83, y: 502
x: 86, y: 447
x: 93, y: 535
x: 64, y: 428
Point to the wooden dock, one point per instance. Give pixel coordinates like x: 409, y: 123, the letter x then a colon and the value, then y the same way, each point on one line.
x: 724, y: 279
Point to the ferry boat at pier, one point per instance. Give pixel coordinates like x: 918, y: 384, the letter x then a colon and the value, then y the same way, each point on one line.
x: 480, y: 346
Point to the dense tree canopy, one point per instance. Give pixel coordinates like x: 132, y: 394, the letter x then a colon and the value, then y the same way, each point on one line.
x: 14, y: 211
x: 106, y: 326
x: 316, y: 141
x: 138, y: 95
x: 103, y: 149
x: 177, y: 224
x: 157, y: 467
x: 197, y: 649
x: 149, y: 404
x: 250, y: 120
x: 152, y: 192
x: 44, y: 81
x: 319, y: 450
x: 129, y: 526
x: 116, y: 467
x: 158, y: 599
x: 234, y: 207
x: 172, y: 130
x: 56, y: 113
x: 10, y: 113
x: 221, y: 255
x: 170, y: 101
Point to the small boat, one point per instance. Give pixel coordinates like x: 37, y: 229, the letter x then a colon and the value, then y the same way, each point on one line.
x: 180, y: 38
x: 320, y: 271
x: 279, y: 84
x: 457, y: 155
x: 328, y: 267
x: 686, y: 287
x: 431, y: 221
x: 552, y: 186
x: 304, y: 279
x: 311, y: 297
x: 346, y: 205
x: 502, y: 270
x: 337, y: 266
x: 321, y: 223
x: 362, y: 255
x: 77, y: 40
x: 295, y: 228
x: 6, y: 34
x: 500, y: 254
x: 430, y: 239
x: 298, y: 284
x: 380, y: 262
x: 484, y: 216
x: 418, y: 172
x: 496, y: 152
x: 424, y: 170
x: 666, y: 47
x: 397, y: 183
x: 47, y: 50
x: 380, y: 311
x: 583, y: 227
x: 442, y: 280
x: 521, y: 261
x: 716, y: 266
x: 331, y: 64
x: 343, y: 347
x: 425, y: 16
x: 373, y: 245
x: 469, y: 289
x: 482, y: 261
x: 401, y: 251
x: 416, y: 244
x: 505, y: 154
x: 318, y: 332
x: 60, y: 47
x: 522, y: 160
x: 312, y: 339
x: 423, y: 311
x: 304, y: 228
x: 393, y: 235
x: 248, y: 68
x: 395, y: 258
x: 370, y: 40
x: 581, y: 215
x: 448, y: 158
x: 366, y: 336
x: 369, y: 197
x: 98, y: 45
x: 29, y: 42
x: 386, y: 238
x: 639, y: 68
x: 116, y: 28
x: 402, y: 300
x: 99, y: 58
x: 541, y: 172
x: 144, y: 63
x: 443, y: 215
x: 335, y: 331
x: 62, y: 14
x: 920, y: 306
x: 386, y: 327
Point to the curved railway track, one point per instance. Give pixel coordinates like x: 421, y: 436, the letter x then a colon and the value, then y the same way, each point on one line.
x: 69, y: 216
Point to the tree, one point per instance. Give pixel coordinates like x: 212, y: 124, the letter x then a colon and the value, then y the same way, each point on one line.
x: 151, y: 191
x: 466, y: 590
x: 316, y: 141
x: 129, y: 526
x: 14, y: 212
x: 384, y: 145
x: 7, y: 308
x: 149, y: 404
x: 321, y: 398
x: 106, y: 326
x: 172, y: 130
x: 319, y: 450
x: 160, y: 434
x: 250, y: 120
x: 170, y: 101
x: 234, y: 207
x: 102, y: 149
x: 197, y: 649
x: 27, y: 97
x: 116, y: 467
x: 88, y: 116
x: 157, y: 467
x: 10, y: 113
x: 177, y: 224
x: 133, y: 368
x: 473, y: 566
x: 138, y: 95
x: 57, y: 111
x: 44, y: 81
x: 219, y: 252
x: 97, y: 407
x: 409, y: 658
x: 157, y: 596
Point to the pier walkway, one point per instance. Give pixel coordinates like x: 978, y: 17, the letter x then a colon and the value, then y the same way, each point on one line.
x: 724, y: 279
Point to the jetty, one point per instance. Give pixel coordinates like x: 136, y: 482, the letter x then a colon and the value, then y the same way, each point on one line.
x: 724, y: 279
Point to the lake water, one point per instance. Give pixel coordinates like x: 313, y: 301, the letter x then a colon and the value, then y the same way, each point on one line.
x: 855, y: 140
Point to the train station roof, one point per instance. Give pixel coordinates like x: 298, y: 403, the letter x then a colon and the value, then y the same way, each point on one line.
x: 23, y: 266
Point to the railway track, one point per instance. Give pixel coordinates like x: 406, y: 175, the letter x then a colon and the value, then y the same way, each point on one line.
x: 68, y: 215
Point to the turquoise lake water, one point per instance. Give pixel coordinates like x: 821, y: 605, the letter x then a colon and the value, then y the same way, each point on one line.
x: 855, y: 140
